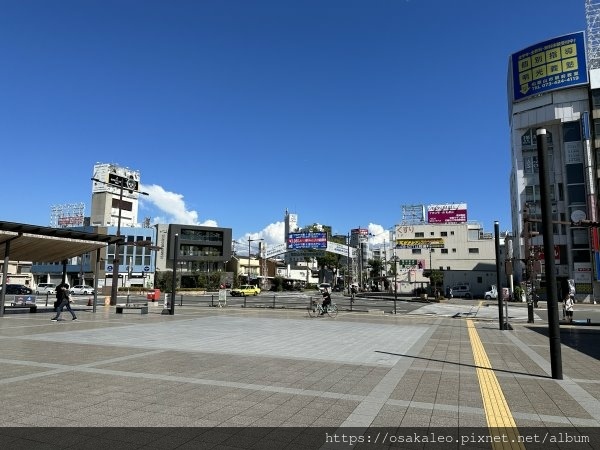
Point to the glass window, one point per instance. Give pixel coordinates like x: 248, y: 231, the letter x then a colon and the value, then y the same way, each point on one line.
x: 571, y: 131
x: 444, y: 251
x: 416, y: 251
x: 576, y: 193
x: 444, y: 233
x: 574, y: 173
x: 596, y: 99
x: 419, y: 234
x: 473, y: 250
x: 597, y: 127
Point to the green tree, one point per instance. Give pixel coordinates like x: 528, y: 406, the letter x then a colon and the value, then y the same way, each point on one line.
x: 436, y: 279
x: 376, y: 267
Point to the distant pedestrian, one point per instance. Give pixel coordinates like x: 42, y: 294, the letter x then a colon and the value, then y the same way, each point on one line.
x: 568, y: 307
x: 64, y: 300
x: 353, y: 292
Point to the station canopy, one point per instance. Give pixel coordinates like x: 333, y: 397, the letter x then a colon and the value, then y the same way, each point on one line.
x: 46, y: 244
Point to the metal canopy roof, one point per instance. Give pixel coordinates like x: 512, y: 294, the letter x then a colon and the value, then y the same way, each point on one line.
x: 45, y: 244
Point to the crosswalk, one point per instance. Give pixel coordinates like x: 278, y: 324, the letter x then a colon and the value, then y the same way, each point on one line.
x: 475, y: 311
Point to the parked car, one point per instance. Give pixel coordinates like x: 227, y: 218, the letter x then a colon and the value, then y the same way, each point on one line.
x: 245, y: 290
x: 82, y: 289
x: 45, y: 288
x: 18, y: 289
x: 462, y: 290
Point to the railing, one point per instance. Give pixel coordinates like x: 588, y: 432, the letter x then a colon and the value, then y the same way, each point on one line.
x: 383, y: 302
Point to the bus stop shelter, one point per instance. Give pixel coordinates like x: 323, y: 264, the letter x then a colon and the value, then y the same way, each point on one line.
x: 23, y: 242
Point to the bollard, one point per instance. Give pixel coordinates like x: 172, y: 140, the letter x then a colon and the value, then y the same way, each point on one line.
x: 530, y: 312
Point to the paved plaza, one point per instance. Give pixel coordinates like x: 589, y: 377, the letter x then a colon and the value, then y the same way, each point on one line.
x: 262, y: 378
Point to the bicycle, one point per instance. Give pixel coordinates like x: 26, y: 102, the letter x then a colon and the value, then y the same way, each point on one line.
x: 316, y: 309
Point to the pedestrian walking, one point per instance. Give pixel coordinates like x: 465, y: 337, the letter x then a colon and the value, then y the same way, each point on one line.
x: 568, y: 307
x: 64, y: 300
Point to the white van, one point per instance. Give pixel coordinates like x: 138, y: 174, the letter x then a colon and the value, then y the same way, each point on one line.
x: 492, y: 293
x: 462, y: 290
x: 45, y: 288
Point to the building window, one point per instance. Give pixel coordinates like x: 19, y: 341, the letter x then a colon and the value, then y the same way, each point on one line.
x: 432, y: 233
x: 419, y: 234
x: 596, y: 126
x: 444, y: 251
x: 453, y: 250
x: 448, y: 268
x: 473, y: 250
x: 444, y: 233
x: 416, y: 251
x: 452, y: 233
x: 596, y: 99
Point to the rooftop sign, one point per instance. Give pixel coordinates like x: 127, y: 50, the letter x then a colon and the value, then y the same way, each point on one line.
x: 550, y: 65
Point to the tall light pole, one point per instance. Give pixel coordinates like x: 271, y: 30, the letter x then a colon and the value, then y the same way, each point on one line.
x: 131, y: 185
x: 395, y: 280
x: 348, y: 275
x: 249, y: 241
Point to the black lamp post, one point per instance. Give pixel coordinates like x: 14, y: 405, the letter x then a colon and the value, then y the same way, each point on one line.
x: 395, y: 280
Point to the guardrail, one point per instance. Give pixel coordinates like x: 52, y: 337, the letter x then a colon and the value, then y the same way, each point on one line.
x: 276, y: 301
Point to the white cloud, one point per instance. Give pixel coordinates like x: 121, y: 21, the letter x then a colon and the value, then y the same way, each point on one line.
x: 173, y: 205
x: 273, y: 234
x: 378, y: 234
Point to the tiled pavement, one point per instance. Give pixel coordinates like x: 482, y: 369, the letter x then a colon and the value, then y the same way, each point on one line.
x: 256, y: 378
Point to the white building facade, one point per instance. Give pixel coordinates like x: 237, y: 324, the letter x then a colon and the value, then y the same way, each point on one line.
x: 464, y: 252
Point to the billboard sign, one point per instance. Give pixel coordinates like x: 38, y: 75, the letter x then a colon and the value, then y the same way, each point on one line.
x: 420, y: 243
x: 307, y: 240
x: 447, y: 213
x: 341, y: 249
x: 70, y: 221
x: 550, y: 65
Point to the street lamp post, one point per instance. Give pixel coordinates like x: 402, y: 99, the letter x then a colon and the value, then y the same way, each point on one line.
x: 249, y: 241
x: 395, y: 280
x: 348, y: 275
x: 121, y: 183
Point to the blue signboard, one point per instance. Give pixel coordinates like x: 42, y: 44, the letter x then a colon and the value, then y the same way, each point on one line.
x: 554, y: 64
x: 307, y: 240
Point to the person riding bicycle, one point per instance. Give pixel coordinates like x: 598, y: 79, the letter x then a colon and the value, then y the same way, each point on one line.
x: 326, y: 301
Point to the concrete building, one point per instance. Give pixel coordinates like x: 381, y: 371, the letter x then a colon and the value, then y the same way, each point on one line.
x: 464, y: 252
x: 202, y: 251
x: 549, y: 87
x: 115, y: 196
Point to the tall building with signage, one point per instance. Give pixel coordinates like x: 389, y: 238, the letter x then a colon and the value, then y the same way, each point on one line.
x: 116, y: 186
x: 549, y: 87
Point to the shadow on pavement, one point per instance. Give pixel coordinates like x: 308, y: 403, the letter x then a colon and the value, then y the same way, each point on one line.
x: 541, y: 375
x: 582, y: 339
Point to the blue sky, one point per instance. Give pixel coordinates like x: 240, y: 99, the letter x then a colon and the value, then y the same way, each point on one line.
x: 340, y: 111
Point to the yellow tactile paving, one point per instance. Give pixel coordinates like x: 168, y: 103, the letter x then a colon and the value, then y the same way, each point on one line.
x: 497, y: 413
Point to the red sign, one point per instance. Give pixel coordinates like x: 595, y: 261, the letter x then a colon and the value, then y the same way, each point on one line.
x: 540, y: 251
x: 447, y: 213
